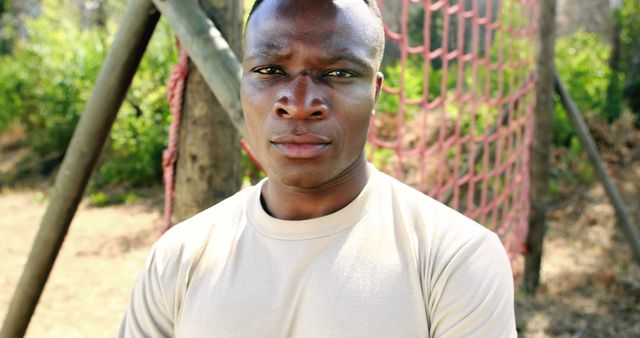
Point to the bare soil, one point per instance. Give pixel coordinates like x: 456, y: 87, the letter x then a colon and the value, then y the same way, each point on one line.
x: 590, y: 283
x: 89, y: 287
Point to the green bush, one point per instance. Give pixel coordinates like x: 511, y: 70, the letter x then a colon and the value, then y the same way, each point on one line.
x: 46, y: 82
x: 139, y: 135
x: 582, y: 64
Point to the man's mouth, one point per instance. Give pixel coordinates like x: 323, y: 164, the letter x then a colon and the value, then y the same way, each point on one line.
x: 303, y: 146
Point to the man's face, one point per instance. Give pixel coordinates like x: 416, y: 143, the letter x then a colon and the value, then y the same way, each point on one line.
x: 309, y: 86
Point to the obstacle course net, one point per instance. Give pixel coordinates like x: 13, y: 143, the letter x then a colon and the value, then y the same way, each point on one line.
x: 455, y: 116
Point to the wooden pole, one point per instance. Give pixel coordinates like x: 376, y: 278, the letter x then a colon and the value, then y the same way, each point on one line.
x: 139, y: 21
x: 629, y: 229
x: 210, y: 52
x: 541, y: 145
x: 209, y: 155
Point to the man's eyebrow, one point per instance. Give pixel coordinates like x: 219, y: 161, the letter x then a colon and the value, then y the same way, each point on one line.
x: 272, y: 51
x: 352, y: 58
x: 269, y: 50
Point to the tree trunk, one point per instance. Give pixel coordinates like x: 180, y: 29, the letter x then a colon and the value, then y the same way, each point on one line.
x: 541, y: 145
x: 208, y: 166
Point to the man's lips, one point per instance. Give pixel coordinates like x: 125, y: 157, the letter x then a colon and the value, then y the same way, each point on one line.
x: 300, y: 146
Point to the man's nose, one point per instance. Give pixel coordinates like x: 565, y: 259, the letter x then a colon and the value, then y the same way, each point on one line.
x: 302, y: 99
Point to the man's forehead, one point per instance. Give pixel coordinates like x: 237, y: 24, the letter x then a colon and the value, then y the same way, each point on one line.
x: 325, y: 45
x: 338, y: 27
x: 280, y: 37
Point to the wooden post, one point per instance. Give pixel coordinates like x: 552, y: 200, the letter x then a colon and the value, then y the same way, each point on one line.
x: 139, y: 21
x: 541, y: 145
x: 624, y: 218
x: 210, y: 52
x: 209, y: 154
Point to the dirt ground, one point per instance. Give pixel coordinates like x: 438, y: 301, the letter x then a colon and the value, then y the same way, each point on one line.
x: 88, y: 290
x: 590, y: 284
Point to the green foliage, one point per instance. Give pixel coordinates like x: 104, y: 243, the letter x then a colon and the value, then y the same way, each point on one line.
x: 101, y: 199
x: 46, y: 82
x: 582, y: 64
x: 139, y: 135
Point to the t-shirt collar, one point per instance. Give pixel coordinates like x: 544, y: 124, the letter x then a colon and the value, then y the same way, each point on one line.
x: 312, y: 228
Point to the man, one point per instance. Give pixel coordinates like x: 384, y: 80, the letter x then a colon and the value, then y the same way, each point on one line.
x: 327, y: 246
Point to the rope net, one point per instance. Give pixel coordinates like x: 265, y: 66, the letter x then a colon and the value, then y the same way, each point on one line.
x: 454, y: 119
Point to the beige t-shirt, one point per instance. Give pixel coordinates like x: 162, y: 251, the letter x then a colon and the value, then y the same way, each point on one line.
x: 392, y: 263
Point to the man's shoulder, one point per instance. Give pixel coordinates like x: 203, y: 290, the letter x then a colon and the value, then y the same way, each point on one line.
x: 429, y: 217
x: 426, y: 208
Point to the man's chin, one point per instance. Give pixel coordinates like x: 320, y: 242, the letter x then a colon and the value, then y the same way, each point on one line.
x: 301, y: 177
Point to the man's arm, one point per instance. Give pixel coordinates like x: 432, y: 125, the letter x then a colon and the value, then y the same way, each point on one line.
x: 148, y: 314
x: 472, y: 296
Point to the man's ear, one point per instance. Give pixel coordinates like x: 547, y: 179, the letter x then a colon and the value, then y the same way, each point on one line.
x: 379, y: 78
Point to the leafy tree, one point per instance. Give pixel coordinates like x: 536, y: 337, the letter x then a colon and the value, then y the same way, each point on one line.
x: 46, y: 82
x: 582, y: 63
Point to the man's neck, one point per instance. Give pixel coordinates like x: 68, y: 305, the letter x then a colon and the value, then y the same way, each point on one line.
x: 294, y: 203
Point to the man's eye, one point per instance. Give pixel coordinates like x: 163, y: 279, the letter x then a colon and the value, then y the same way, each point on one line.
x: 268, y: 70
x: 339, y: 73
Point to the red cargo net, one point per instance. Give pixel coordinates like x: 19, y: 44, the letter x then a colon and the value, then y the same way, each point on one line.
x: 455, y: 116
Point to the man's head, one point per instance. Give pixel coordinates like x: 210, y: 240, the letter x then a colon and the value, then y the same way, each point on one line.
x: 310, y: 82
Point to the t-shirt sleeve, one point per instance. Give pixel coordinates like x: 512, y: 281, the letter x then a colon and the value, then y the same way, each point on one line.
x: 472, y: 294
x: 150, y: 312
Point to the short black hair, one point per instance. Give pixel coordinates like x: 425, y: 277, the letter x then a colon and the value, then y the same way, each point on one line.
x: 373, y: 5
